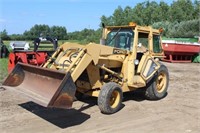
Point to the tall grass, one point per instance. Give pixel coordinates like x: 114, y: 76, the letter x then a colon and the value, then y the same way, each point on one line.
x: 3, y: 68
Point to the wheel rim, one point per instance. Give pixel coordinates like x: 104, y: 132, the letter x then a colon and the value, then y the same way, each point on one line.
x: 161, y: 82
x: 114, y: 99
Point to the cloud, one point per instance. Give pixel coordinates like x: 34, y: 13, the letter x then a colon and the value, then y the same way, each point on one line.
x: 41, y: 15
x: 24, y: 13
x: 2, y: 20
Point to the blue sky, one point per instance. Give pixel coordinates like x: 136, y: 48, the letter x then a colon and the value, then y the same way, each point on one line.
x: 16, y: 16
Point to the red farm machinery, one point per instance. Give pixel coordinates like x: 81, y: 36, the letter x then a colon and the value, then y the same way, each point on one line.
x: 21, y: 52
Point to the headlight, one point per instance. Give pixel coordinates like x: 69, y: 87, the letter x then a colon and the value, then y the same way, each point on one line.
x: 136, y: 61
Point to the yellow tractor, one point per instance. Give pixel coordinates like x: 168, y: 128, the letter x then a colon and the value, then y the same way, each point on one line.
x: 126, y: 59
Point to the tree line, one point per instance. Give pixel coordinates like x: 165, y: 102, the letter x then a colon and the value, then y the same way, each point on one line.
x: 180, y: 19
x: 148, y: 13
x: 38, y: 30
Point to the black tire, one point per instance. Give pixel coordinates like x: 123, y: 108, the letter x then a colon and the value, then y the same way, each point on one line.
x: 158, y: 85
x: 110, y: 98
x: 4, y: 54
x: 78, y: 96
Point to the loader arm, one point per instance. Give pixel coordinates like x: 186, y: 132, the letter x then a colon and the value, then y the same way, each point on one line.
x: 76, y: 65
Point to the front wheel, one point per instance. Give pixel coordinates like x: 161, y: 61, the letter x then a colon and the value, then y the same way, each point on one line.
x: 110, y: 98
x: 158, y: 85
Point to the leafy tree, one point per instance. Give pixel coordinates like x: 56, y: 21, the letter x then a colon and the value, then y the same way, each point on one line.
x: 106, y: 20
x: 180, y: 19
x: 181, y: 10
x: 17, y: 37
x: 188, y: 29
x: 128, y: 14
x: 36, y: 31
x: 118, y: 16
x: 196, y: 6
x: 164, y: 25
x: 4, y: 35
x: 86, y: 36
x: 163, y: 11
x: 58, y: 32
x: 151, y: 13
x: 138, y: 13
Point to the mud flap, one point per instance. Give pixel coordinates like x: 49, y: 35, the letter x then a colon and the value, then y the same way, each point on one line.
x: 47, y: 87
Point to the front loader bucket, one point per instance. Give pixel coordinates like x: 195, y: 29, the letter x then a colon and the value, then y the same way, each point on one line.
x: 47, y: 87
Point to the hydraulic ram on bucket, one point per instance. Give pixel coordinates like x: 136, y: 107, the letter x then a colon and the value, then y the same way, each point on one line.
x: 47, y: 87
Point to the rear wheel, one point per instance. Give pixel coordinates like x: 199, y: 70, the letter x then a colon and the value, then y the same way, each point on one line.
x: 110, y: 98
x: 158, y: 85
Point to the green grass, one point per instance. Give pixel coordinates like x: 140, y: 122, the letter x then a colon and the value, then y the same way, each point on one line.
x: 3, y: 68
x: 83, y: 42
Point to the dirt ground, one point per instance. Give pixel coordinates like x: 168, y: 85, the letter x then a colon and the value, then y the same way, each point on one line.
x: 178, y: 112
